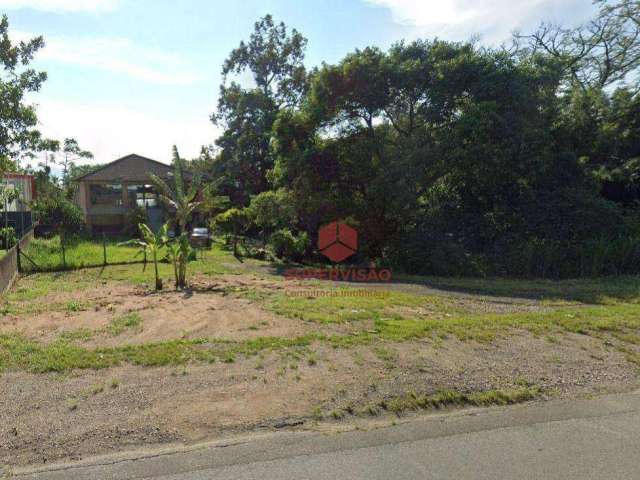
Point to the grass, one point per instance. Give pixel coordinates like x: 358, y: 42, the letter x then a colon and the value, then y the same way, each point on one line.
x: 123, y: 323
x: 344, y: 308
x: 612, y: 306
x: 18, y: 352
x: 440, y: 399
x: 62, y: 355
x: 46, y: 253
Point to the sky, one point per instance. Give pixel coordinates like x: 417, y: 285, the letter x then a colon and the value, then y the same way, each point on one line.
x: 138, y: 76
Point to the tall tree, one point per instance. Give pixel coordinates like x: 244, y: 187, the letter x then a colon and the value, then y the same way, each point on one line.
x: 601, y: 52
x: 273, y: 58
x: 71, y: 154
x: 18, y: 119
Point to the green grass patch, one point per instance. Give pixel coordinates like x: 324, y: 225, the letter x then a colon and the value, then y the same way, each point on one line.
x: 341, y: 307
x: 46, y: 253
x: 18, y: 352
x: 123, y: 323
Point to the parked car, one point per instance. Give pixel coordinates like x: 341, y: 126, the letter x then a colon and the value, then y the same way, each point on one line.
x: 200, y: 237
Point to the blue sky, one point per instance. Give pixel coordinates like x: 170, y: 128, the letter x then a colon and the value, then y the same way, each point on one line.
x: 140, y: 75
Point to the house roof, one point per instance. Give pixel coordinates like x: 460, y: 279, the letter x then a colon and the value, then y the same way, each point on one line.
x: 131, y: 168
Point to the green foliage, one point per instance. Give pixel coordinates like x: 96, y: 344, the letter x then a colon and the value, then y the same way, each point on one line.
x: 274, y: 58
x: 150, y: 244
x: 448, y: 158
x: 8, y: 237
x: 134, y: 217
x: 180, y: 196
x: 232, y: 224
x: 179, y: 252
x: 18, y: 120
x: 272, y: 210
x: 288, y: 246
x: 61, y: 213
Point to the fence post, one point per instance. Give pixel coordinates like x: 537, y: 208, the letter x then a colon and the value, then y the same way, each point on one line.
x: 18, y: 253
x: 104, y: 249
x: 64, y: 258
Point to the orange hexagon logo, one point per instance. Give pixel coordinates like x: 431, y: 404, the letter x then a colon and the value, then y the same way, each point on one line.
x: 337, y: 241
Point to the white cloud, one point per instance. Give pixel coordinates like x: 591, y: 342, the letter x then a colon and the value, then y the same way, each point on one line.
x: 110, y: 131
x: 492, y: 20
x: 117, y: 55
x: 63, y: 5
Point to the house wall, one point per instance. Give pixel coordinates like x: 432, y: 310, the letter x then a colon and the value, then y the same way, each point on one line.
x: 106, y: 218
x: 26, y: 185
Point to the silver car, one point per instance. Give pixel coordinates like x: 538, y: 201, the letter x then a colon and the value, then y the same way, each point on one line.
x: 200, y: 237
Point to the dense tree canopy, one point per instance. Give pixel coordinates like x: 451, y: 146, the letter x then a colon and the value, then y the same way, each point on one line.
x: 273, y: 58
x: 449, y: 158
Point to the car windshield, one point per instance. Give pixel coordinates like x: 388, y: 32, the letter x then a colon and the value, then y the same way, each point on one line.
x: 200, y: 231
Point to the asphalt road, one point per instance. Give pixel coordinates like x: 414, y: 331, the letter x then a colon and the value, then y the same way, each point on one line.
x: 586, y: 439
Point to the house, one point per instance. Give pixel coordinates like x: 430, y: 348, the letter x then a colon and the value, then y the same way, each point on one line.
x: 111, y: 193
x: 17, y: 214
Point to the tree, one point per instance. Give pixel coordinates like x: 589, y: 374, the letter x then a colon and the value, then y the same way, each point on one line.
x: 63, y: 215
x: 274, y: 58
x: 71, y: 154
x: 599, y: 53
x: 18, y: 120
x: 182, y: 199
x: 232, y: 223
x: 179, y: 196
x: 271, y: 211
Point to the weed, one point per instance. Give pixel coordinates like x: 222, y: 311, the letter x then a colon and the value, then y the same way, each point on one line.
x: 96, y: 389
x: 124, y: 322
x: 317, y: 413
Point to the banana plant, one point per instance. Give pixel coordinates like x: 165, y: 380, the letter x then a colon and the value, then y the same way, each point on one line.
x: 180, y: 198
x: 151, y: 243
x: 179, y: 251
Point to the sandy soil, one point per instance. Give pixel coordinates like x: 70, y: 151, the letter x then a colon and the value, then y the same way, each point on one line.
x: 53, y: 417
x: 50, y: 417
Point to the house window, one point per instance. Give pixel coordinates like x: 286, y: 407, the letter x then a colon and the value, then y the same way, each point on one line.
x: 106, y: 195
x: 141, y: 196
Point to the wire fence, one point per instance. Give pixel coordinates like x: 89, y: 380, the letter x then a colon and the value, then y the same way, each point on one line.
x: 51, y: 254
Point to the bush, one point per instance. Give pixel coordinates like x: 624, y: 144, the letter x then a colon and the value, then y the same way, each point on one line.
x: 288, y: 246
x: 133, y: 218
x: 8, y: 238
x: 63, y: 215
x: 271, y: 211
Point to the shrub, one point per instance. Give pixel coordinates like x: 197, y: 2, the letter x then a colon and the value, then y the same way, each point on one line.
x: 288, y: 246
x: 133, y: 218
x: 7, y: 237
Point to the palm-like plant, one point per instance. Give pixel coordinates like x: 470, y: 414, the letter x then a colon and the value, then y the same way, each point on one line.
x: 151, y: 243
x: 180, y: 198
x: 178, y: 252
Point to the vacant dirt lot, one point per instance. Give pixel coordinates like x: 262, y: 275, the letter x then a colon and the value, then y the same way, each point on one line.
x: 343, y: 365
